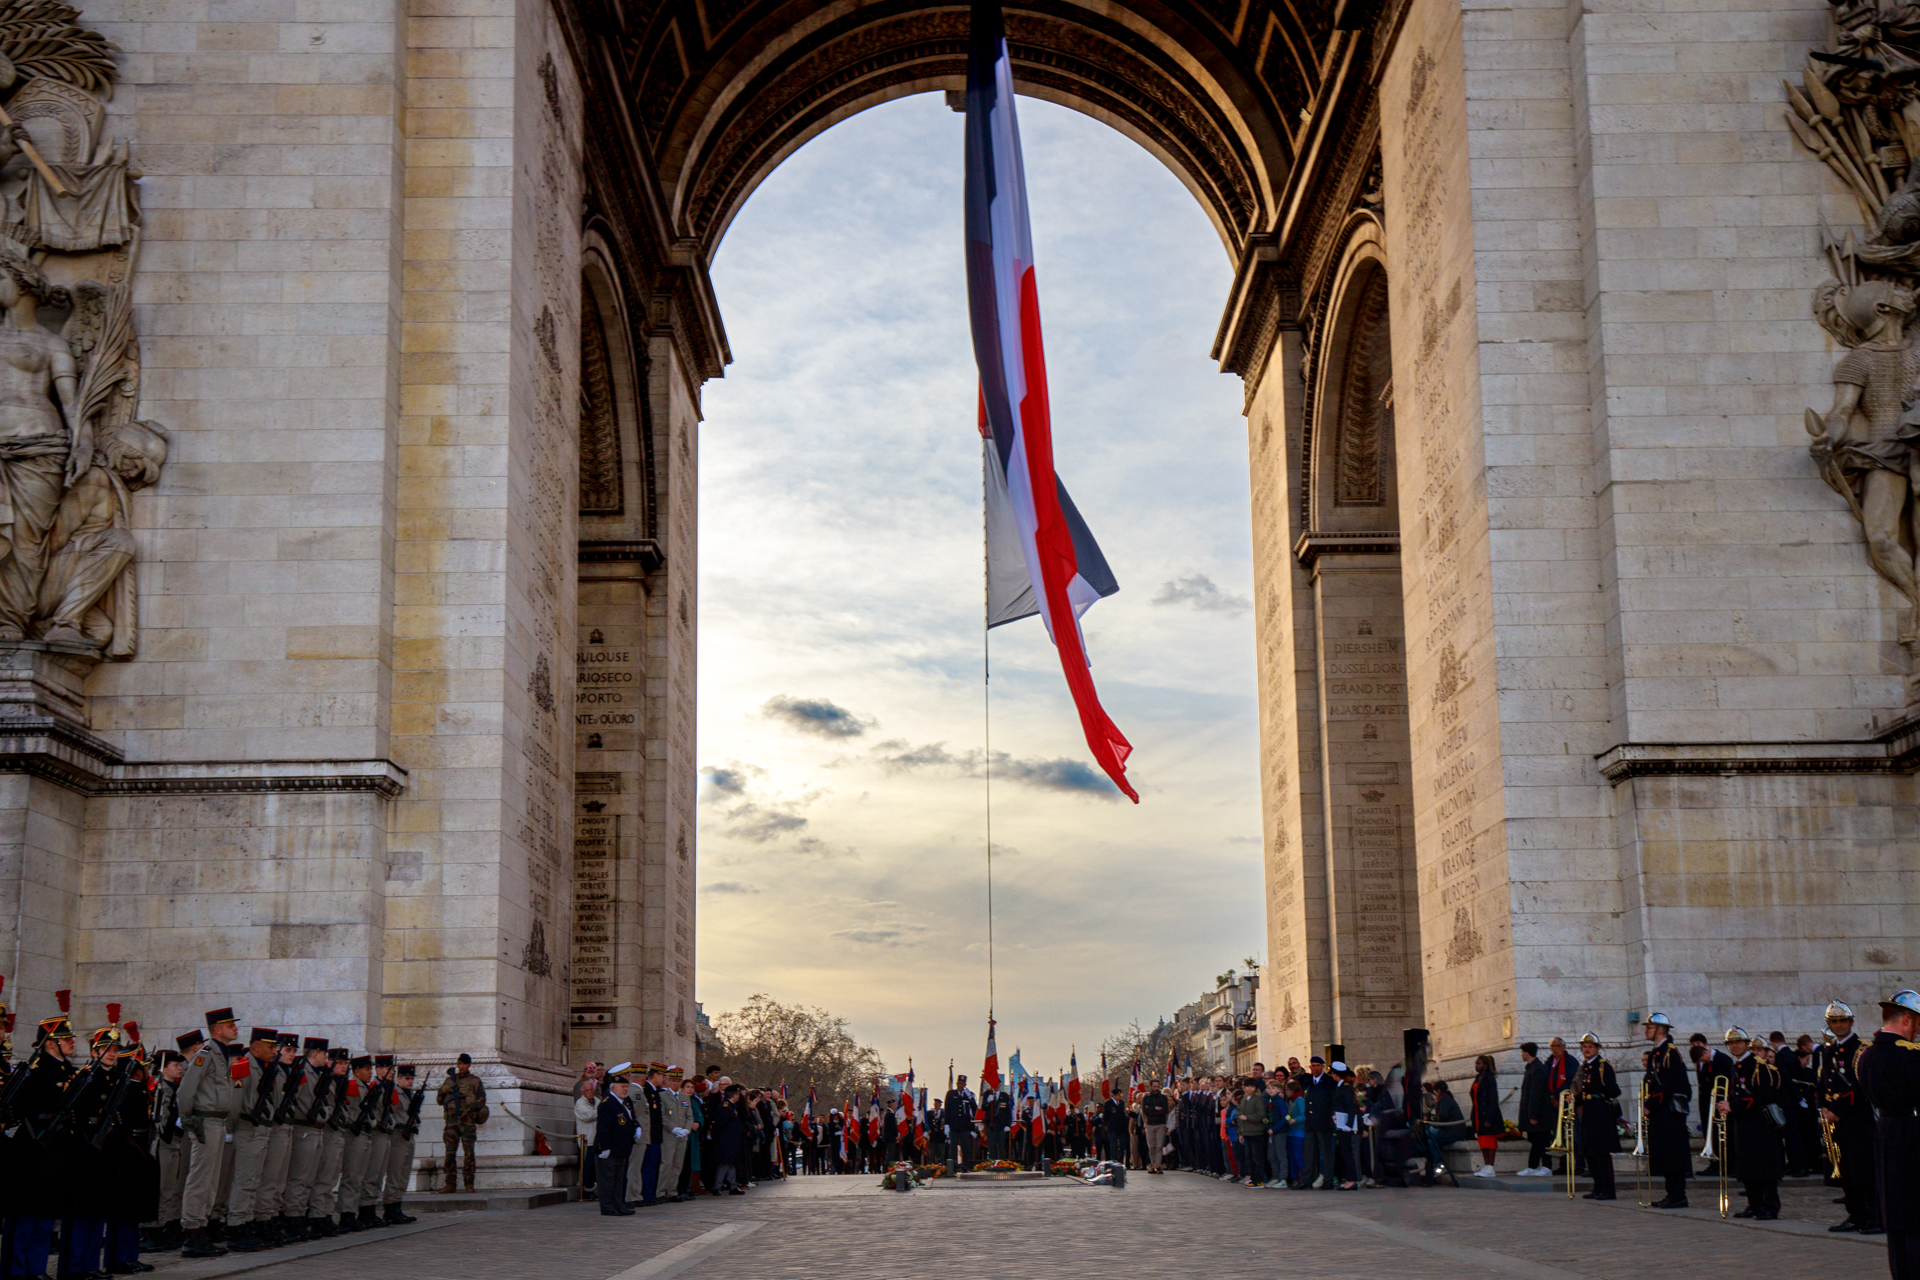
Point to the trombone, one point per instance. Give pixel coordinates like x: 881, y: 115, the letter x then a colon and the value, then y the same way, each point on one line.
x: 1640, y: 1146
x: 1717, y: 1129
x: 1563, y: 1134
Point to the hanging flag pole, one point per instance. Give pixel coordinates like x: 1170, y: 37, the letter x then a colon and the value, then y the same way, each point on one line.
x: 1026, y: 505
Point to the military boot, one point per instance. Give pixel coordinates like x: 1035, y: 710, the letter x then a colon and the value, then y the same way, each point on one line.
x: 349, y: 1222
x: 197, y: 1244
x: 217, y: 1230
x: 321, y: 1229
x: 244, y: 1239
x: 395, y: 1218
x: 370, y: 1217
x: 171, y: 1237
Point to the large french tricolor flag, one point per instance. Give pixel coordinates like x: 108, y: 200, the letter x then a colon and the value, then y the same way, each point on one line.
x: 1031, y: 523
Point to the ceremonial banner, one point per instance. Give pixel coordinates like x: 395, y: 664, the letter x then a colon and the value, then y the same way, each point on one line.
x: 1065, y: 571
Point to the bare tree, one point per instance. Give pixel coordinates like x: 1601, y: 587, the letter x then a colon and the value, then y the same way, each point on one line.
x: 768, y: 1044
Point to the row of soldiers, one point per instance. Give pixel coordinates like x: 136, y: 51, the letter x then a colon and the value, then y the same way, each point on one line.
x: 250, y: 1145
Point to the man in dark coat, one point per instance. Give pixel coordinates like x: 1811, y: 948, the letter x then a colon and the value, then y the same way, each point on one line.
x: 1708, y: 1066
x: 1321, y: 1091
x: 1890, y: 1077
x: 1596, y: 1093
x: 1753, y: 1136
x: 1114, y: 1116
x: 1669, y: 1099
x: 1844, y: 1105
x: 1536, y: 1111
x: 613, y: 1134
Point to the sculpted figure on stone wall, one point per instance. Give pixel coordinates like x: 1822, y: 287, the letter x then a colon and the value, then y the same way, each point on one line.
x: 1858, y: 109
x: 72, y: 451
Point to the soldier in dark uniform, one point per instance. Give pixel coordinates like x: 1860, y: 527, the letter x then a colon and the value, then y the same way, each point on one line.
x: 1669, y: 1099
x: 1889, y: 1074
x: 958, y: 1112
x: 613, y: 1142
x: 1752, y: 1131
x: 1596, y: 1092
x: 132, y: 1172
x: 1844, y: 1105
x: 34, y: 1189
x: 89, y: 1110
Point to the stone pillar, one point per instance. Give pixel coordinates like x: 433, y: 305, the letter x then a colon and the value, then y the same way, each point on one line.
x: 1367, y: 785
x: 1296, y: 980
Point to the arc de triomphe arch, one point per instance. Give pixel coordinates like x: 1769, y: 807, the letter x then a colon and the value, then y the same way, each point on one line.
x: 1579, y: 693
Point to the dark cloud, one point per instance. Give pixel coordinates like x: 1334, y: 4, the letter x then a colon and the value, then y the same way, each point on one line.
x: 895, y: 756
x: 746, y: 814
x: 728, y: 886
x: 817, y: 716
x: 762, y: 825
x: 1061, y: 774
x: 873, y: 937
x: 1202, y: 593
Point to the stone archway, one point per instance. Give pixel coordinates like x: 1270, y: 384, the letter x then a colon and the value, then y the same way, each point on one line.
x: 1264, y: 111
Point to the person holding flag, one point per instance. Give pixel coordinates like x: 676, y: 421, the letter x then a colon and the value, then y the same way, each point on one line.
x: 1073, y: 1079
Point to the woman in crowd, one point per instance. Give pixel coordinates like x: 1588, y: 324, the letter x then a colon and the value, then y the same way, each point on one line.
x: 690, y: 1091
x: 1488, y: 1123
x: 586, y: 1108
x: 729, y: 1142
x: 1346, y: 1127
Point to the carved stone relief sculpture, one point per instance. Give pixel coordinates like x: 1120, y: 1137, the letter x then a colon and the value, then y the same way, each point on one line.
x: 72, y: 451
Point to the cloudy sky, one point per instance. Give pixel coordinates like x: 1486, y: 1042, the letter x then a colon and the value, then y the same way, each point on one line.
x: 842, y: 841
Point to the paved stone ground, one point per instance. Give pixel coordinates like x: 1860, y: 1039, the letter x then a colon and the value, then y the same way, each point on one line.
x: 1176, y: 1225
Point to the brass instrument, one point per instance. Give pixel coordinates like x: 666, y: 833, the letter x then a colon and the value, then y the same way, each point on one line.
x: 1717, y: 1127
x: 1563, y: 1128
x: 1828, y: 1039
x: 1640, y: 1159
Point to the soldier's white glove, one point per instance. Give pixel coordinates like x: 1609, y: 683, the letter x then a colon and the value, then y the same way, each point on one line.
x: 679, y: 1133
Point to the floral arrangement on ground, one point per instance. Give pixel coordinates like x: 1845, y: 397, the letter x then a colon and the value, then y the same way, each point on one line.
x: 996, y: 1166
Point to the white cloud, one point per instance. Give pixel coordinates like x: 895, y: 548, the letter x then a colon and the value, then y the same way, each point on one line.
x: 1202, y: 593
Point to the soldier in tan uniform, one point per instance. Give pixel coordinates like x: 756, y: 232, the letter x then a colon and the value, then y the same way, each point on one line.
x: 676, y: 1125
x: 170, y: 1141
x: 270, y: 1226
x: 256, y: 1072
x: 406, y: 1127
x: 358, y: 1114
x: 329, y: 1112
x: 209, y: 1096
x: 304, y: 1140
x: 380, y: 1133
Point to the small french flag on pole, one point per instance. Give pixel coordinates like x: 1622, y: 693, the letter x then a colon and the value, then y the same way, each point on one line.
x: 1030, y: 519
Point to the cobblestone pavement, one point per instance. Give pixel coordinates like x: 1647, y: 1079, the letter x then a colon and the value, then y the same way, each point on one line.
x: 1176, y: 1225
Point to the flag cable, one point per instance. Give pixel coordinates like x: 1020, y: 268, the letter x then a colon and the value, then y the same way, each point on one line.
x: 986, y: 705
